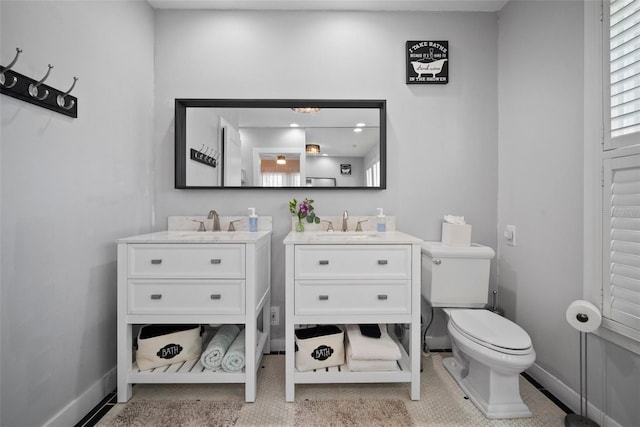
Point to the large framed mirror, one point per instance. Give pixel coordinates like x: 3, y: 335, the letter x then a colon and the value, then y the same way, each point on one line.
x: 266, y: 143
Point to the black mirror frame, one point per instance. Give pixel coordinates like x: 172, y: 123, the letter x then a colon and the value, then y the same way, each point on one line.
x: 181, y: 105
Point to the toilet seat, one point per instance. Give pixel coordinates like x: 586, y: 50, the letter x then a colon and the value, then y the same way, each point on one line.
x: 491, y: 331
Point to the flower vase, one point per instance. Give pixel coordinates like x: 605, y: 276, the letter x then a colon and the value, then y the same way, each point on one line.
x: 299, y: 226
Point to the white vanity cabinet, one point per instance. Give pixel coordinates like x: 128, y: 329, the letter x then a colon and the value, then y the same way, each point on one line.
x: 193, y: 278
x: 358, y: 278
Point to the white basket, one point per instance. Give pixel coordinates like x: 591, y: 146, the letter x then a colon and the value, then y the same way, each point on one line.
x: 319, y: 347
x: 161, y: 345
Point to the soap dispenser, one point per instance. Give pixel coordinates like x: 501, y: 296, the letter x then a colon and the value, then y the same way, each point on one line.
x: 253, y: 220
x: 381, y: 221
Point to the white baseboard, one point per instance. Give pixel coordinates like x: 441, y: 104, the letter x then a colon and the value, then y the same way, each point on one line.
x: 568, y: 396
x: 79, y: 407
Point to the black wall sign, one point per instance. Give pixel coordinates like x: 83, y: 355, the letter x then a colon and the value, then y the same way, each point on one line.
x: 427, y: 62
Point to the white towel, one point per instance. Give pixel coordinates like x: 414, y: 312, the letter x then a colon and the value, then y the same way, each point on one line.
x: 366, y: 348
x: 355, y: 365
x: 212, y: 355
x: 234, y: 360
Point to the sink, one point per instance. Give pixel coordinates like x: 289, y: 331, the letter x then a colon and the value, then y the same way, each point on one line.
x: 345, y: 236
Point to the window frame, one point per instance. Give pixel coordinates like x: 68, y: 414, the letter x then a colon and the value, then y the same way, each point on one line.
x: 598, y: 147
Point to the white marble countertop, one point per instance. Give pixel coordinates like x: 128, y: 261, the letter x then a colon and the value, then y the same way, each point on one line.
x: 349, y: 238
x: 189, y: 236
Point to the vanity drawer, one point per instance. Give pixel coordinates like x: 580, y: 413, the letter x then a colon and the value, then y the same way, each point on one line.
x: 353, y: 262
x: 353, y: 297
x: 186, y: 261
x: 186, y: 297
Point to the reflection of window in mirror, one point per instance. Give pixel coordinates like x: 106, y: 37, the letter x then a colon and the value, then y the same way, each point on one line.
x: 373, y: 175
x: 282, y: 171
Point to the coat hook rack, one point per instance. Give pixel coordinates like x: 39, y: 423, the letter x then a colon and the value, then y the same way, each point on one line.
x: 203, y: 158
x: 36, y: 92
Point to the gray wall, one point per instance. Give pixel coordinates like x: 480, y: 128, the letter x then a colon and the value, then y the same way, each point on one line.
x: 541, y: 89
x: 442, y: 140
x: 69, y: 188
x: 109, y: 173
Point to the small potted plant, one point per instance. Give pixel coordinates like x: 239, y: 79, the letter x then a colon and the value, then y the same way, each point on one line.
x: 303, y: 210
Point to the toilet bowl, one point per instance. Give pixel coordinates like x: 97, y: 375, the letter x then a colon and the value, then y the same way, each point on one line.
x: 489, y: 353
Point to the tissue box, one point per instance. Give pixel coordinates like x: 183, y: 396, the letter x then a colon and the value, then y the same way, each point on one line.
x: 319, y: 347
x: 161, y: 345
x: 456, y: 234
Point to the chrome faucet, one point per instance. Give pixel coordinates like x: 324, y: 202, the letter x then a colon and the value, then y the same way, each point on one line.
x: 216, y: 220
x: 345, y: 217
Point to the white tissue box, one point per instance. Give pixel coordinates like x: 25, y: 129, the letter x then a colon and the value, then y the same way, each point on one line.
x: 161, y: 345
x: 456, y: 234
x: 319, y: 347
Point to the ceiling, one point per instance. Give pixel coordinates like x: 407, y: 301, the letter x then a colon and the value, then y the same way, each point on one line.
x: 362, y: 5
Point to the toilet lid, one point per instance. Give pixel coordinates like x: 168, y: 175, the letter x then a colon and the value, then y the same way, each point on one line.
x: 490, y: 330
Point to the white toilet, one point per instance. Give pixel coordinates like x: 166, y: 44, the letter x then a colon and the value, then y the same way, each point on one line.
x: 489, y: 351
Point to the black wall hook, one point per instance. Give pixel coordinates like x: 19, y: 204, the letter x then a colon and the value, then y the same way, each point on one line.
x: 33, y: 88
x: 14, y: 79
x: 62, y: 99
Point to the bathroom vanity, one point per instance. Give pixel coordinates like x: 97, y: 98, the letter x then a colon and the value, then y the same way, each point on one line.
x: 189, y: 277
x: 353, y: 278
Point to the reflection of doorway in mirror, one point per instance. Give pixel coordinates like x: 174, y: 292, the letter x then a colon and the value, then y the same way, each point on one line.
x: 231, y: 153
x: 267, y: 173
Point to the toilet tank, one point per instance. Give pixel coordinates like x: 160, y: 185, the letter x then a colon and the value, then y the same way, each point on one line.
x: 454, y: 276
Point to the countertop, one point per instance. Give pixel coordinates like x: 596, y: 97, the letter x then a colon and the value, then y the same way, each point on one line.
x: 179, y: 236
x: 349, y: 238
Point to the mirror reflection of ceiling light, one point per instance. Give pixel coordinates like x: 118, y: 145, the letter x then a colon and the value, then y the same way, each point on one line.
x: 306, y: 109
x: 294, y: 125
x: 281, y: 160
x: 357, y: 130
x: 360, y: 125
x: 312, y: 149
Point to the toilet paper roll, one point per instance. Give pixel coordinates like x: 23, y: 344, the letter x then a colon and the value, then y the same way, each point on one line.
x: 584, y: 316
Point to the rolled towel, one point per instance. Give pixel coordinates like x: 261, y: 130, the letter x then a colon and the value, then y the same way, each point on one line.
x: 365, y: 348
x: 234, y: 360
x: 212, y: 355
x: 355, y: 365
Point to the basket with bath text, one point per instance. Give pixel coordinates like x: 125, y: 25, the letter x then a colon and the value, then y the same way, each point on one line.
x: 161, y: 345
x: 319, y: 347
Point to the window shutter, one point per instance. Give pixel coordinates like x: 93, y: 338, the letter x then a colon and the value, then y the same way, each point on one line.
x: 621, y: 251
x: 624, y: 72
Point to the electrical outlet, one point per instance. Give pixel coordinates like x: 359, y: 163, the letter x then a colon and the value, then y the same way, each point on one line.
x: 275, y: 315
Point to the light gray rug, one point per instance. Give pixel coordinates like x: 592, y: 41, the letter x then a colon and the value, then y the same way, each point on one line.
x: 184, y: 413
x: 365, y: 413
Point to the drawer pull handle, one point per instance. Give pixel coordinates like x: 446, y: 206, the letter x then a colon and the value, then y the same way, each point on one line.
x: 382, y: 297
x: 324, y: 262
x: 216, y: 296
x: 216, y: 261
x: 156, y: 261
x: 382, y: 262
x: 156, y: 296
x: 323, y: 297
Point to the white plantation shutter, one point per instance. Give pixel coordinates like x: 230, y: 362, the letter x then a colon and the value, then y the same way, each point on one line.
x: 621, y: 226
x: 624, y: 73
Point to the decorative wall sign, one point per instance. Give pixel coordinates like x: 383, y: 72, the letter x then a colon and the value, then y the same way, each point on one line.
x: 427, y: 62
x: 345, y: 169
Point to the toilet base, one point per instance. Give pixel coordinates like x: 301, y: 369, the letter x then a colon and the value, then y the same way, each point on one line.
x: 498, y: 396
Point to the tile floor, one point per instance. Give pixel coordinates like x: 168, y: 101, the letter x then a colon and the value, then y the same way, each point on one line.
x: 442, y: 403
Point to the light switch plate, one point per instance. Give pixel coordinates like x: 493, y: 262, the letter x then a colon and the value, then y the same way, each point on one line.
x: 509, y: 235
